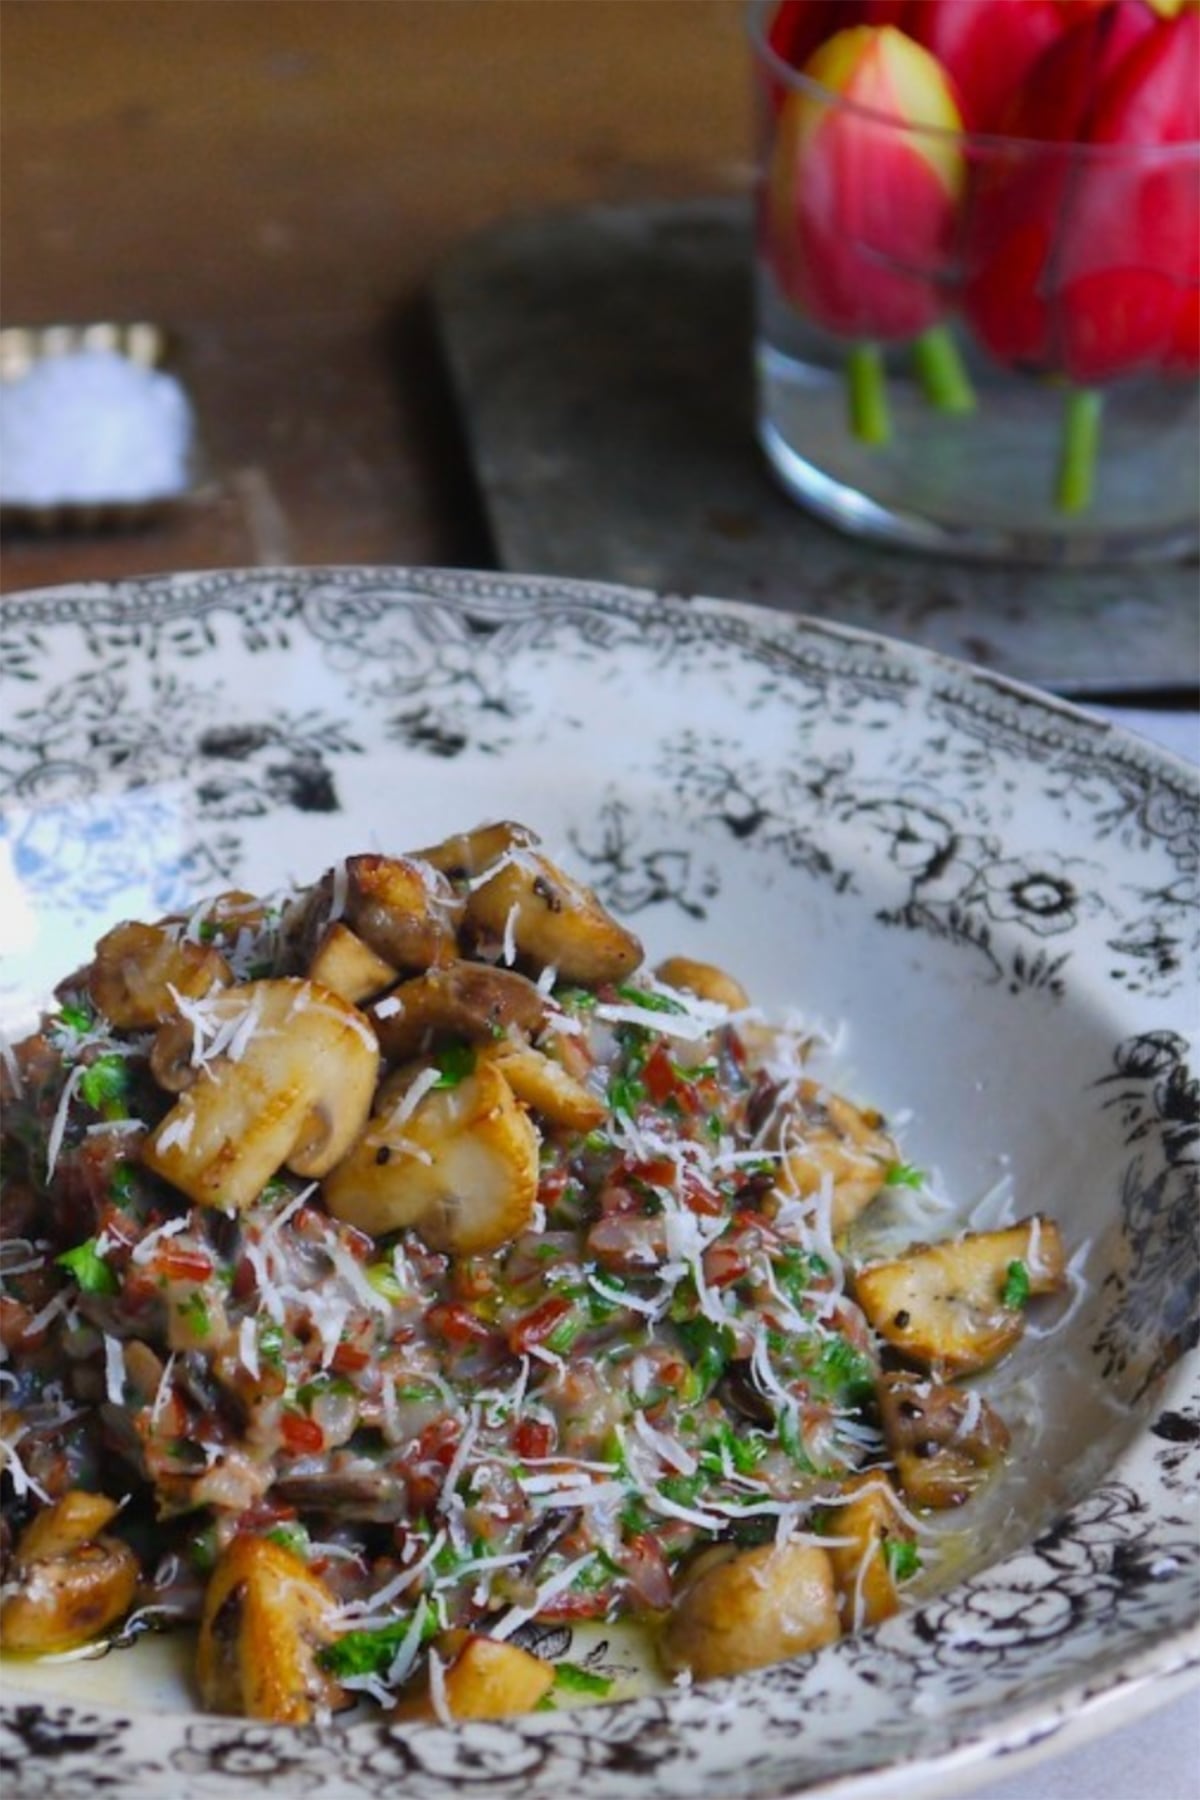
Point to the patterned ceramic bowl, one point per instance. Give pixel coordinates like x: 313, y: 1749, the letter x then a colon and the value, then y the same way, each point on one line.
x: 995, y: 893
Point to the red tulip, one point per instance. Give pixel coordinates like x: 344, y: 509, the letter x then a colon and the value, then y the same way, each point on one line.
x: 1129, y: 264
x: 861, y: 211
x: 1022, y: 194
x: 987, y: 47
x: 1183, y: 355
x: 798, y: 27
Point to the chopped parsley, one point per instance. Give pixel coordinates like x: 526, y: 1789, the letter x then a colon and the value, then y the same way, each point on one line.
x: 1015, y: 1292
x: 845, y: 1372
x: 373, y: 1652
x: 321, y: 1384
x: 104, y: 1085
x: 382, y: 1277
x: 195, y: 1314
x: 565, y: 1332
x: 571, y: 1678
x: 725, y: 1449
x: 684, y: 1490
x: 202, y: 1550
x: 122, y: 1184
x: 708, y: 1347
x: 77, y: 1017
x: 904, y: 1174
x: 291, y: 1536
x: 902, y: 1557
x: 659, y: 1003
x: 454, y: 1062
x: 795, y: 1273
x: 626, y: 1091
x: 790, y: 1440
x: 89, y: 1268
x: 577, y: 998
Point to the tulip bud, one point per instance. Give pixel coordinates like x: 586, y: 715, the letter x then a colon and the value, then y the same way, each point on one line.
x: 987, y: 47
x: 797, y: 27
x: 861, y: 208
x: 1022, y: 190
x: 1129, y: 262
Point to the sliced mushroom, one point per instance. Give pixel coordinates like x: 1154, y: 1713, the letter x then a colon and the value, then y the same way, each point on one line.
x: 78, y: 1518
x: 482, y: 1678
x: 743, y: 1609
x: 546, y: 1087
x: 865, y: 1525
x: 956, y: 1307
x: 943, y: 1440
x: 704, y: 980
x: 461, y: 1168
x: 266, y: 1616
x: 292, y: 1087
x: 405, y: 910
x: 830, y: 1140
x: 552, y: 921
x: 468, y: 853
x: 67, y: 1582
x: 460, y: 999
x: 138, y: 971
x: 346, y: 965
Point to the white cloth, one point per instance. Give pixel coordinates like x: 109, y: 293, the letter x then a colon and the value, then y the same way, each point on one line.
x: 1155, y: 1759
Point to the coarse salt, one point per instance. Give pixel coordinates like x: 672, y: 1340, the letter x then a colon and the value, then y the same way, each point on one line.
x: 92, y: 427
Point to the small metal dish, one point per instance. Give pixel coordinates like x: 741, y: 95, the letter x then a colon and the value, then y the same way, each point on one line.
x: 143, y: 343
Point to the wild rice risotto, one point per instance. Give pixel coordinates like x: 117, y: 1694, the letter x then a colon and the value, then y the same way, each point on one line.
x: 400, y: 1262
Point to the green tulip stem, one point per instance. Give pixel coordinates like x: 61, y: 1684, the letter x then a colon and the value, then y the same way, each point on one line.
x: 870, y: 420
x: 942, y: 372
x: 1076, y: 484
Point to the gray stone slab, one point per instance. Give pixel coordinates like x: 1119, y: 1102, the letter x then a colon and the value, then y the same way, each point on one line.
x: 602, y: 363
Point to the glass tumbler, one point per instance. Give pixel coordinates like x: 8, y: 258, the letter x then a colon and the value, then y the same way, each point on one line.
x: 975, y: 344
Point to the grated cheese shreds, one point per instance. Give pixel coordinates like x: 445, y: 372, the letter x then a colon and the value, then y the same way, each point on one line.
x: 437, y: 1689
x: 548, y: 1591
x: 58, y: 1129
x: 648, y: 1348
x: 114, y: 1370
x: 23, y: 1482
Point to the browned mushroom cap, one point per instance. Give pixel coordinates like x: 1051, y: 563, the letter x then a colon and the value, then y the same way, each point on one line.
x: 402, y: 913
x: 67, y: 1581
x: 552, y: 921
x: 482, y: 1679
x: 347, y: 966
x: 945, y: 1306
x: 944, y: 1441
x: 460, y: 1166
x: 289, y: 1076
x: 139, y: 969
x: 544, y: 1086
x: 743, y: 1609
x: 863, y: 1521
x: 405, y: 910
x: 827, y: 1139
x: 266, y: 1615
x: 464, y: 999
x: 468, y: 853
x: 704, y: 980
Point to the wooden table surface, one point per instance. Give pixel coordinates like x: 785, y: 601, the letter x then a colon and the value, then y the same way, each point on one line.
x: 277, y: 180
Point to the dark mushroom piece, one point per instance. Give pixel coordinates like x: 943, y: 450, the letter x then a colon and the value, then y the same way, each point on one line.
x: 460, y: 999
x: 943, y: 1440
